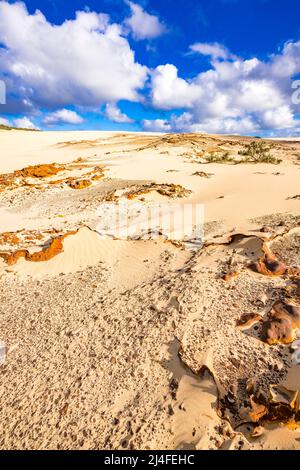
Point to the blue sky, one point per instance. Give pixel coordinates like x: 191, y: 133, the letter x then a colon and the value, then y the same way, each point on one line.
x: 224, y: 66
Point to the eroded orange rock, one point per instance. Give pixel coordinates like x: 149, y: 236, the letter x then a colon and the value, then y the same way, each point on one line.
x: 280, y: 406
x: 54, y: 248
x: 39, y: 171
x: 282, y: 323
x: 9, y: 238
x: 269, y: 265
x: 258, y: 410
x: 79, y: 184
x: 276, y: 413
x: 203, y: 174
x: 13, y: 258
x: 169, y: 190
x: 7, y: 182
x: 228, y: 277
x: 111, y: 197
x: 248, y: 320
x: 282, y: 395
x: 18, y: 177
x: 172, y: 190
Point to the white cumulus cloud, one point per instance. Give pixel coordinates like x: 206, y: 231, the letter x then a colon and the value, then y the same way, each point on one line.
x: 234, y: 96
x: 63, y: 116
x: 88, y: 63
x: 143, y: 25
x: 279, y: 118
x: 114, y: 113
x: 4, y: 122
x: 170, y: 92
x: 214, y: 50
x: 24, y: 123
x: 85, y: 61
x: 217, y: 125
x: 156, y: 125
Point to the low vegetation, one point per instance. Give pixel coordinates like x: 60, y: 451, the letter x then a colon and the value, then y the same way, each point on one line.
x: 10, y: 128
x: 258, y: 152
x: 216, y: 157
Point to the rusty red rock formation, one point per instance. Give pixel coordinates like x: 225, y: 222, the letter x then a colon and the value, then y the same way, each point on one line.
x: 269, y: 265
x: 248, y: 320
x: 19, y: 178
x: 279, y: 406
x: 39, y: 171
x: 54, y: 248
x: 282, y: 323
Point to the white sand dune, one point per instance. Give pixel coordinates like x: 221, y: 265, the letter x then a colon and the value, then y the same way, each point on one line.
x: 121, y: 344
x: 23, y: 148
x: 234, y: 193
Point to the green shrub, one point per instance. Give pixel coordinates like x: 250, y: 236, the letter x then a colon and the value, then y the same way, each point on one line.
x: 258, y: 152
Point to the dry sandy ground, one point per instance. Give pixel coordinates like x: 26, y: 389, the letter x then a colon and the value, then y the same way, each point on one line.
x: 115, y: 343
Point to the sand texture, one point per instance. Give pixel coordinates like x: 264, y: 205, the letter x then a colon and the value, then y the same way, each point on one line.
x: 141, y: 342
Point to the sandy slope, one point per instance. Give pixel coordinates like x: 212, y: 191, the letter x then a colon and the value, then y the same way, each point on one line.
x: 20, y: 149
x: 134, y: 343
